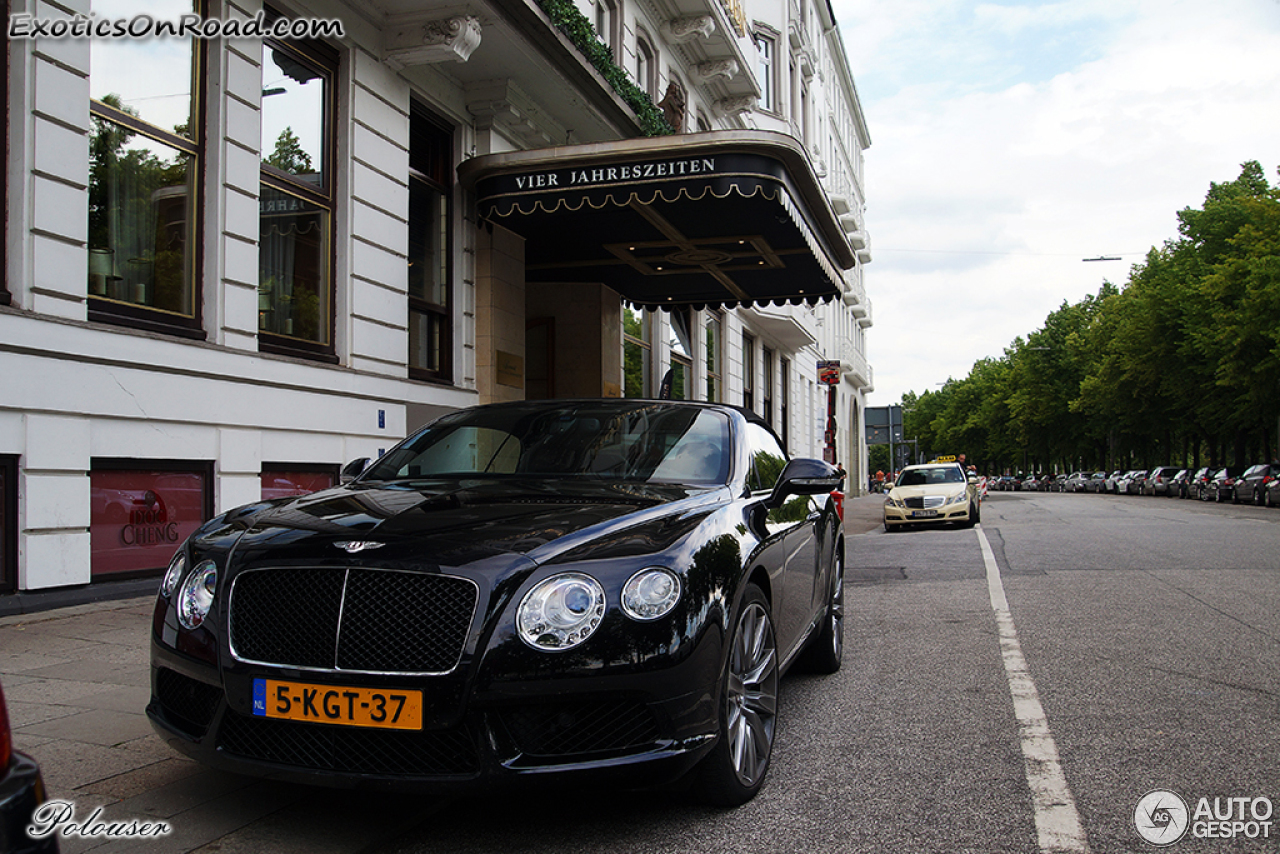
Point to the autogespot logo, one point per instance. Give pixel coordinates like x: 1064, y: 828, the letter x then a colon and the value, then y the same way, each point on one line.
x: 1161, y: 817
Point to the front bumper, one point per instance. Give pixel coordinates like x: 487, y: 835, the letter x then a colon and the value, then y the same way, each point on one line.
x: 632, y: 730
x: 894, y: 516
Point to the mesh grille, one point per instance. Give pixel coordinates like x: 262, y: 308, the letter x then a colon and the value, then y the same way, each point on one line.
x: 287, y: 616
x: 348, y: 749
x: 565, y: 729
x: 404, y: 622
x: 391, y: 622
x: 187, y: 703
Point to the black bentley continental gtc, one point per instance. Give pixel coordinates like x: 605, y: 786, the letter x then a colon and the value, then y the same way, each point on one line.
x: 589, y: 589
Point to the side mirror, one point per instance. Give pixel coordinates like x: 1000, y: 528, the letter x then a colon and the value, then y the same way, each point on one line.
x: 804, y: 477
x: 353, y: 469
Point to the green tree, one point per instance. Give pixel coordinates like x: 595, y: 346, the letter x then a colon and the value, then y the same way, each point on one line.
x: 289, y: 156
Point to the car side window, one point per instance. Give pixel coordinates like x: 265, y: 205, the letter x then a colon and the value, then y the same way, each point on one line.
x: 767, y: 459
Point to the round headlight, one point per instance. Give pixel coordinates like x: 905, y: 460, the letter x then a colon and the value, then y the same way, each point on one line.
x: 176, y: 567
x: 195, y: 597
x: 650, y: 593
x: 561, y: 612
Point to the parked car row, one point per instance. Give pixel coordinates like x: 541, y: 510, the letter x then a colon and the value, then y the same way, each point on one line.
x: 1258, y: 484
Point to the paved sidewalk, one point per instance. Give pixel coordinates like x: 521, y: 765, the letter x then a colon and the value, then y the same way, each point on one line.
x: 76, y: 681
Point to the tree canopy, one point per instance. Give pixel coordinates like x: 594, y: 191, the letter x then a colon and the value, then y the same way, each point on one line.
x: 1179, y: 365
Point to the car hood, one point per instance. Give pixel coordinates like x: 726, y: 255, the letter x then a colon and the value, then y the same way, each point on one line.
x: 460, y: 522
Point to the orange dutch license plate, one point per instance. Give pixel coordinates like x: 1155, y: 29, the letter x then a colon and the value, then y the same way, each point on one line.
x: 336, y: 704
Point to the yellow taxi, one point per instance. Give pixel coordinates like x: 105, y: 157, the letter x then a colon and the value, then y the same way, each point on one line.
x: 939, y: 491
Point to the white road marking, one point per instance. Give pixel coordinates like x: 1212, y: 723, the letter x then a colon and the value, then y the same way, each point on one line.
x: 1057, y: 822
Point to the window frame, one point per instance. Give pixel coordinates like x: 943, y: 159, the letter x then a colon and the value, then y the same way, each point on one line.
x: 646, y: 70
x: 645, y: 346
x: 611, y: 12
x: 770, y: 100
x: 8, y: 523
x: 438, y: 180
x: 713, y: 357
x: 105, y: 310
x: 325, y: 59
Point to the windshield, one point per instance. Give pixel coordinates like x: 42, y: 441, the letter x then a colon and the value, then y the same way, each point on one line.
x: 652, y: 443
x: 922, y: 477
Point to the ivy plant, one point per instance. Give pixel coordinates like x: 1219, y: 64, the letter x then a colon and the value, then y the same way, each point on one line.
x: 565, y: 15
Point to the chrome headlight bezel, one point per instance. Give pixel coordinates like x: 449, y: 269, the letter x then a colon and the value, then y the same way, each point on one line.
x: 173, y: 574
x: 651, y: 594
x: 196, y: 595
x: 560, y: 612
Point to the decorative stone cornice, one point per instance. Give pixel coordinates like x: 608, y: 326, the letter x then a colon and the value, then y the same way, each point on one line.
x: 688, y: 28
x: 733, y: 106
x: 708, y: 71
x: 429, y: 42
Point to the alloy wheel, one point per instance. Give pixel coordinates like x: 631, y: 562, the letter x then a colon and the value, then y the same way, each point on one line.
x: 752, y: 694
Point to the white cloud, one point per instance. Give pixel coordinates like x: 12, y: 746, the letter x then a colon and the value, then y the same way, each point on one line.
x: 1012, y: 140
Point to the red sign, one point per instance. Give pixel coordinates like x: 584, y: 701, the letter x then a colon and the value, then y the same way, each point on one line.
x: 137, y: 519
x: 829, y: 373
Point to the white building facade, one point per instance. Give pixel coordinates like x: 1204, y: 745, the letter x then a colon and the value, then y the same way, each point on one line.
x: 235, y: 263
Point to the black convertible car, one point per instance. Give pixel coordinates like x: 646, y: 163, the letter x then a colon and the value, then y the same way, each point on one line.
x: 587, y: 589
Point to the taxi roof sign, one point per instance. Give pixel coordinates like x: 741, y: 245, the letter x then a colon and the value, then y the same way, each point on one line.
x: 950, y: 459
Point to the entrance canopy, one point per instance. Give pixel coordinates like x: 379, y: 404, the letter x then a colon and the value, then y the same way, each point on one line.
x: 723, y: 218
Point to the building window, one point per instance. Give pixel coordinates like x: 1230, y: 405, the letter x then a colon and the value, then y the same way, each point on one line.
x: 637, y: 352
x: 5, y: 297
x: 748, y: 371
x: 767, y: 69
x: 140, y: 511
x: 281, y: 480
x: 681, y: 343
x: 607, y: 19
x: 8, y: 523
x: 646, y: 66
x: 715, y: 356
x: 768, y: 386
x: 295, y: 248
x: 144, y: 178
x: 430, y: 246
x: 784, y: 398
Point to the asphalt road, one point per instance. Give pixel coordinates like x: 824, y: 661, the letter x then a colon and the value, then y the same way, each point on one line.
x: 1149, y: 635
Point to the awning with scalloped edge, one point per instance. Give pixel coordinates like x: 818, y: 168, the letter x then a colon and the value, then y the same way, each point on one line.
x: 725, y: 218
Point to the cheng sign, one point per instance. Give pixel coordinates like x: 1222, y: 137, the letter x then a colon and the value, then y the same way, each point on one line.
x: 139, y: 517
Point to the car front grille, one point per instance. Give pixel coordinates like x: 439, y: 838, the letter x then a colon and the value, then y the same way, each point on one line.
x: 351, y: 619
x: 352, y: 750
x: 926, y: 502
x: 568, y: 729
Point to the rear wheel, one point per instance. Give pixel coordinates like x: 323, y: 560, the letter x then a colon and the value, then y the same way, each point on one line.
x: 734, y: 770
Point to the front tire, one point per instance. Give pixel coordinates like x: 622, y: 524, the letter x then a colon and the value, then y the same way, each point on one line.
x: 826, y: 649
x: 734, y: 770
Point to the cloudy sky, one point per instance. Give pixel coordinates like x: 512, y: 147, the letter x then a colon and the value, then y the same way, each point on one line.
x: 1011, y: 140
